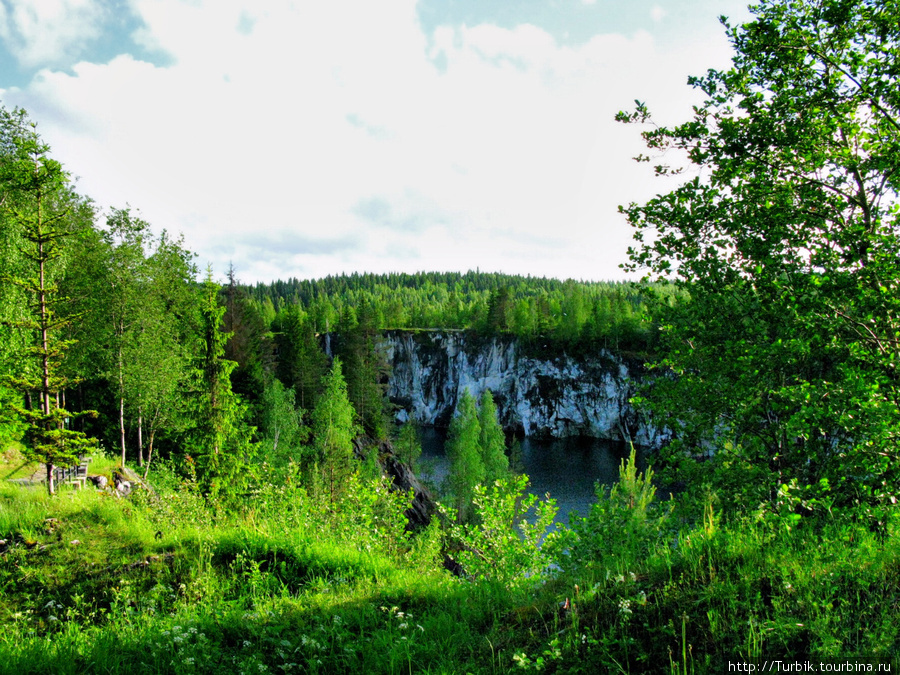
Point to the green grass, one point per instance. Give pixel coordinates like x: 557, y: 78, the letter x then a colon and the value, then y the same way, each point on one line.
x: 166, y: 584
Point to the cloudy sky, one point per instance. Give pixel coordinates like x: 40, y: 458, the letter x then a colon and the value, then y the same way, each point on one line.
x: 313, y: 137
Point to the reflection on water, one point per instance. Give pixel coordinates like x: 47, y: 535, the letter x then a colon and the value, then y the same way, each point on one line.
x: 567, y: 468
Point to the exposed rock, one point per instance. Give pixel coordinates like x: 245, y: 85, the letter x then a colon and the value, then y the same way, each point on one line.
x: 540, y: 397
x: 100, y: 482
x: 402, y: 478
x: 123, y: 487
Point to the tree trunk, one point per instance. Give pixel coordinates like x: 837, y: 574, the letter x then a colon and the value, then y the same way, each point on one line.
x: 122, y: 426
x: 140, y: 439
x: 149, y: 453
x: 50, y: 487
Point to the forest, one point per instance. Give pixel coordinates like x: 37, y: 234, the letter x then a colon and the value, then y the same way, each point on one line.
x: 273, y: 521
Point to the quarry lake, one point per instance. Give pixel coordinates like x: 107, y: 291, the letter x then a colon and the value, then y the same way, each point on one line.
x: 567, y: 468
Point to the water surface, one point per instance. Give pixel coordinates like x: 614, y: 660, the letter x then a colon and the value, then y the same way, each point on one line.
x: 567, y: 468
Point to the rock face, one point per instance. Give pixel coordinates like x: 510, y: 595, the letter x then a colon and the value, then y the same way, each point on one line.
x: 402, y: 478
x: 536, y: 396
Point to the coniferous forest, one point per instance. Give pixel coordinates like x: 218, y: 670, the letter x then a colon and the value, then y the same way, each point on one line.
x: 239, y: 499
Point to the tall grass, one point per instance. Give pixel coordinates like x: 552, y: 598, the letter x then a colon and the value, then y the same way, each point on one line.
x: 170, y: 584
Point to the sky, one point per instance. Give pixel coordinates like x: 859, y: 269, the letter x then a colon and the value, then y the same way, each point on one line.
x: 302, y: 138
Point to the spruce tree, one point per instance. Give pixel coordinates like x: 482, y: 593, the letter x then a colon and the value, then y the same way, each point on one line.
x: 221, y: 437
x: 492, y: 440
x: 333, y: 432
x: 464, y: 451
x: 35, y: 197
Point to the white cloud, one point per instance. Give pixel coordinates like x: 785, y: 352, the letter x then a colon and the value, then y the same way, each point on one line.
x: 45, y: 32
x: 658, y: 13
x: 315, y: 138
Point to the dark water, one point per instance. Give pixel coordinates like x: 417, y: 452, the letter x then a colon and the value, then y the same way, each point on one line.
x: 567, y: 468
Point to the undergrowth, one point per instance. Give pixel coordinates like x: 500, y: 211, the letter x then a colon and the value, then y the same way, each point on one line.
x: 164, y: 582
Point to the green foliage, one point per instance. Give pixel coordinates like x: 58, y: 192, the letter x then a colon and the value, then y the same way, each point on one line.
x: 37, y: 200
x: 249, y: 344
x: 168, y: 582
x: 622, y: 527
x: 502, y: 545
x: 365, y: 368
x: 220, y: 440
x: 787, y: 243
x: 492, y: 440
x: 566, y: 314
x: 408, y: 444
x: 464, y: 452
x: 301, y: 362
x: 283, y: 432
x: 333, y: 433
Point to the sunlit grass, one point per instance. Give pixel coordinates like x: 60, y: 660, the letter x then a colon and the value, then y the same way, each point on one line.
x: 165, y: 583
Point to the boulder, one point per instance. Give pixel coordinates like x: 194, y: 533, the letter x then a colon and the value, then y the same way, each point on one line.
x: 99, y: 482
x: 123, y: 487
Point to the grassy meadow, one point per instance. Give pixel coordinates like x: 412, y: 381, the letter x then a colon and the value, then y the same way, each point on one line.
x: 165, y: 582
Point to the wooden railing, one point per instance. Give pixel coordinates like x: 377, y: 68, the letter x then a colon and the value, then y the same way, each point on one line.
x: 74, y: 475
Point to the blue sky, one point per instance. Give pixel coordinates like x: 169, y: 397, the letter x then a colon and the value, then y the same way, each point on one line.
x: 304, y: 138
